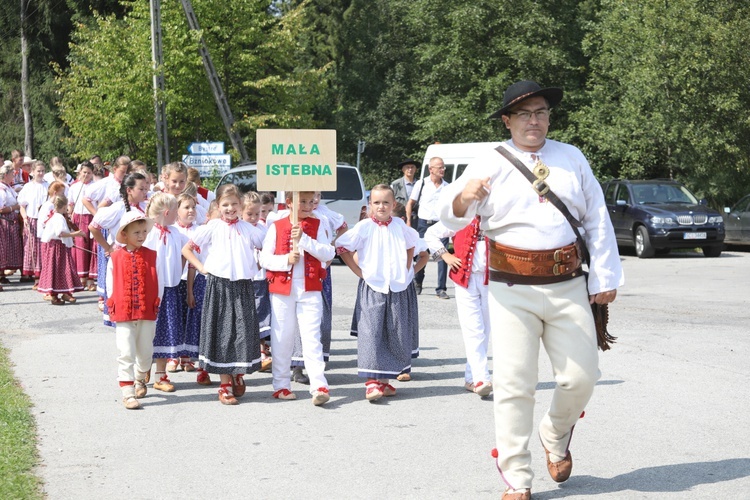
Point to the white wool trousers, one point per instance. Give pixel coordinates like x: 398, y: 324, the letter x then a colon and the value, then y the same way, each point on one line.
x: 303, y: 310
x: 473, y: 308
x: 135, y: 341
x: 558, y: 315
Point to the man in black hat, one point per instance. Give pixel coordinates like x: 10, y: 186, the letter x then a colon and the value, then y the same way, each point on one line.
x: 403, y: 186
x: 537, y: 288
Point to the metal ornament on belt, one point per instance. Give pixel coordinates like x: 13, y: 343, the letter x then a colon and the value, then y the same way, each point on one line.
x: 541, y: 171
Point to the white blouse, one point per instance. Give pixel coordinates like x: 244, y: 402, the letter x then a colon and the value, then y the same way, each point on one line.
x: 188, y: 233
x: 46, y: 211
x: 54, y: 227
x: 8, y: 196
x: 168, y: 248
x: 320, y: 248
x: 229, y: 248
x: 32, y: 197
x: 96, y: 191
x: 261, y: 274
x: 77, y: 191
x: 381, y: 251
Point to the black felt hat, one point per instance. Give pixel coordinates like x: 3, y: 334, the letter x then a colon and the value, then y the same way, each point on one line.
x: 408, y: 162
x: 526, y: 89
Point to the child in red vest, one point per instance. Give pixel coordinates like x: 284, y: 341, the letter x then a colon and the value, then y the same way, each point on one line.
x: 134, y: 292
x: 294, y: 256
x: 229, y: 338
x: 386, y: 316
x: 469, y: 270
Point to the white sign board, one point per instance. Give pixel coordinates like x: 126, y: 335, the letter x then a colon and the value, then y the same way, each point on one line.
x: 296, y: 160
x: 206, y: 148
x: 207, y: 165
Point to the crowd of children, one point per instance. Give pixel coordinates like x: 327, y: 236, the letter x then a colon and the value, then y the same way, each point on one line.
x: 174, y: 266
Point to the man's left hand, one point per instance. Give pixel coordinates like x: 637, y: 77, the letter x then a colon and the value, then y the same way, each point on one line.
x: 603, y: 297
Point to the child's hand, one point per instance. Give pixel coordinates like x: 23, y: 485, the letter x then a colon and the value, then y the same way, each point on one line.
x: 293, y: 257
x: 108, y: 250
x: 76, y: 234
x: 453, y: 262
x: 296, y: 233
x: 190, y: 300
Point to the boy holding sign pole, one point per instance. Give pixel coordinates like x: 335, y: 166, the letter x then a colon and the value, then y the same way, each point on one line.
x: 294, y: 252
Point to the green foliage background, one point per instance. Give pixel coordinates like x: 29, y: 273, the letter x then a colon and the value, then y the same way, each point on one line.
x: 653, y: 88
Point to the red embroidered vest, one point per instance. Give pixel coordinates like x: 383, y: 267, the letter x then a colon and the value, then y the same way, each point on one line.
x: 146, y: 291
x: 464, y: 246
x: 203, y: 192
x: 281, y: 281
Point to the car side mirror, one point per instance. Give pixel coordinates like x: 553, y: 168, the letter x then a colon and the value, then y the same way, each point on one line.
x: 703, y: 201
x: 621, y: 203
x: 727, y: 210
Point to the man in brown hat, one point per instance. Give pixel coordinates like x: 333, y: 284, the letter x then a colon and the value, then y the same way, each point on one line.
x: 403, y: 186
x: 537, y: 289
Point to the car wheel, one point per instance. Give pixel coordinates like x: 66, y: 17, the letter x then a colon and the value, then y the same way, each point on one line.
x: 643, y: 248
x: 713, y: 251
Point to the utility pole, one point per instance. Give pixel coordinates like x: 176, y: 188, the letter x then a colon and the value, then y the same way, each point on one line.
x: 160, y: 108
x: 360, y: 149
x: 216, y: 88
x: 28, y: 143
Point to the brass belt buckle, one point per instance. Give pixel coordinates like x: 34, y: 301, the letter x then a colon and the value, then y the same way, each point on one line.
x: 558, y: 256
x: 558, y: 269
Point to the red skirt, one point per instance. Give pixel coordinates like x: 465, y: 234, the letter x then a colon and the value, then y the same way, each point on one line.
x: 11, y: 244
x: 32, y: 250
x: 58, y: 271
x: 81, y: 257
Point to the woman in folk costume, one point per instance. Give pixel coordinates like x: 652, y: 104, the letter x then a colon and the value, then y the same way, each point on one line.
x: 31, y: 198
x: 387, y: 311
x: 85, y: 248
x: 11, y: 242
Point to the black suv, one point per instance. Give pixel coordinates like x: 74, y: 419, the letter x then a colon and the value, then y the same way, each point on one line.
x: 658, y: 215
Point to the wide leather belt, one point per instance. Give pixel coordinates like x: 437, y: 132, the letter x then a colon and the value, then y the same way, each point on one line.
x: 534, y: 267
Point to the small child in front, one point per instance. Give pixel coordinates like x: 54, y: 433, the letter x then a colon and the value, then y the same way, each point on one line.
x: 386, y: 316
x: 295, y: 280
x: 133, y: 304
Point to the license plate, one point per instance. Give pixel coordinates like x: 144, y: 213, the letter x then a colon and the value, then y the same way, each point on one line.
x: 695, y: 236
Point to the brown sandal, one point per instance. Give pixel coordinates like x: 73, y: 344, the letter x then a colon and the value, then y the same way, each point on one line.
x: 55, y: 301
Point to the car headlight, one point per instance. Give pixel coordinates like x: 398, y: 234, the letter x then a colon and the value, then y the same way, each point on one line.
x: 662, y: 220
x: 717, y: 219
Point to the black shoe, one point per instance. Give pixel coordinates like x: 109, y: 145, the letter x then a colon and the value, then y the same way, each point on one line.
x: 419, y: 288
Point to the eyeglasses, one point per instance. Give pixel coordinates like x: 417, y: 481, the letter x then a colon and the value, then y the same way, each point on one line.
x: 438, y: 168
x: 524, y: 116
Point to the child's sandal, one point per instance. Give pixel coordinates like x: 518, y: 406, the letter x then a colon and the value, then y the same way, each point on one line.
x: 284, y: 394
x: 55, y: 301
x: 374, y: 390
x: 203, y: 378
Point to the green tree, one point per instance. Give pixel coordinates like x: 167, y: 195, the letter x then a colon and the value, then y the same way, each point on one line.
x: 668, y: 92
x: 106, y: 96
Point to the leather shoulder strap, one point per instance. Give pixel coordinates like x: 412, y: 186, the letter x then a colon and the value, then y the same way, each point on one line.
x: 550, y: 195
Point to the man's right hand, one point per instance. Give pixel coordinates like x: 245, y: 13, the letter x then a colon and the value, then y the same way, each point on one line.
x: 475, y: 190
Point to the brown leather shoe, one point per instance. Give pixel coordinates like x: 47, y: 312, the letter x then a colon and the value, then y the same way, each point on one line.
x: 559, y: 471
x: 517, y: 495
x: 238, y: 385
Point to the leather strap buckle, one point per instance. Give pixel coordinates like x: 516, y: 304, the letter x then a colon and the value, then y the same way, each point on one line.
x: 540, y: 187
x: 558, y: 269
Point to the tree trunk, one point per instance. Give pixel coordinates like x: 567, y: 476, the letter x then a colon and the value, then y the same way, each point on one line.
x: 28, y: 144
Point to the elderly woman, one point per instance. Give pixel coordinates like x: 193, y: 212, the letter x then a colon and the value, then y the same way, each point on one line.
x: 11, y: 243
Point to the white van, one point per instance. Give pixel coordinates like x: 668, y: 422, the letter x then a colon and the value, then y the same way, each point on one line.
x: 455, y: 157
x: 349, y: 199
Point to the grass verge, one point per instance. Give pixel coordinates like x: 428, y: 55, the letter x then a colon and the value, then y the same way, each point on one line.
x: 17, y: 438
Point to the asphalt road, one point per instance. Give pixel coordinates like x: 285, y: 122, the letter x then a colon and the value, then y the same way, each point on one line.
x: 669, y: 418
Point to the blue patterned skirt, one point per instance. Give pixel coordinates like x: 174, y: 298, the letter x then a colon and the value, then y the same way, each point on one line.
x: 169, y: 341
x: 193, y: 316
x: 263, y: 307
x: 230, y: 342
x: 386, y: 326
x: 101, y: 282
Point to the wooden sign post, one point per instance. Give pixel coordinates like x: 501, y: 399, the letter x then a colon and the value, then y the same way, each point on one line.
x: 296, y: 160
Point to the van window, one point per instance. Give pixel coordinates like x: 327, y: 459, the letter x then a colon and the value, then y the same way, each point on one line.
x: 245, y: 181
x: 347, y: 186
x: 460, y: 169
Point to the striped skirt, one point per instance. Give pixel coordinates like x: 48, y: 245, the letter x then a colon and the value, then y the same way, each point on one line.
x: 230, y: 342
x: 385, y: 327
x: 32, y: 249
x: 81, y: 257
x: 58, y: 272
x: 11, y: 243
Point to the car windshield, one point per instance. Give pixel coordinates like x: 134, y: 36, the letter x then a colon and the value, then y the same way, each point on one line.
x: 347, y: 186
x: 649, y: 194
x: 244, y: 180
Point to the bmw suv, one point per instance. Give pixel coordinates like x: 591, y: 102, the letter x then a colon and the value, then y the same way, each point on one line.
x: 658, y: 215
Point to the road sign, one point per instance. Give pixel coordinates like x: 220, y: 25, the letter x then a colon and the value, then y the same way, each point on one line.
x: 209, y: 165
x: 296, y: 159
x: 206, y: 148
